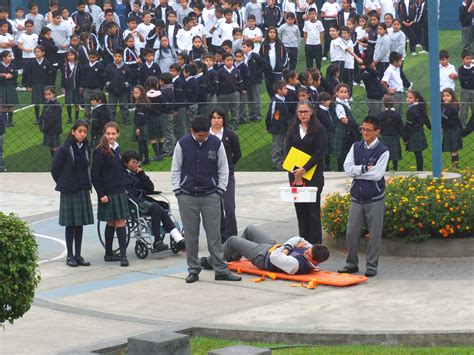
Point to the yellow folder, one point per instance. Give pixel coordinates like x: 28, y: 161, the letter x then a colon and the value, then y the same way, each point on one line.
x: 297, y: 158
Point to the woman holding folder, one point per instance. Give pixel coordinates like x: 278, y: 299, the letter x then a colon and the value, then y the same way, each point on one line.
x: 307, y: 134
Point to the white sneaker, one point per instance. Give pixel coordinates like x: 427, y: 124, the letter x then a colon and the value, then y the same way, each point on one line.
x: 423, y: 52
x: 419, y: 46
x: 325, y: 58
x: 414, y: 54
x: 411, y: 86
x: 20, y: 71
x: 362, y: 85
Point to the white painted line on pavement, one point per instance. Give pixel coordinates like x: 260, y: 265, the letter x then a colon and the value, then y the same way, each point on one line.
x: 30, y: 106
x: 60, y: 241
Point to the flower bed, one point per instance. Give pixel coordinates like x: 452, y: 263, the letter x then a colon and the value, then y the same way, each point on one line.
x: 415, y: 209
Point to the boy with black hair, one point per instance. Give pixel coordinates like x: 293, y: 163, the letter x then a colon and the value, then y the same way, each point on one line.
x: 102, y: 30
x: 96, y: 13
x: 276, y: 123
x: 60, y: 35
x: 203, y: 86
x: 244, y: 73
x: 255, y: 66
x: 38, y: 20
x: 272, y: 15
x: 136, y: 13
x: 230, y: 83
x: 148, y: 68
x: 447, y: 72
x: 372, y: 35
x: 253, y: 33
x: 92, y: 81
x: 154, y: 36
x: 225, y: 29
x: 162, y: 11
x: 4, y: 17
x: 227, y: 46
x: 133, y: 31
x: 118, y: 85
x: 373, y: 88
x: 191, y: 90
x: 392, y: 81
x: 180, y: 100
x: 81, y: 18
x: 144, y: 29
x: 172, y: 28
x: 211, y: 76
x: 323, y: 115
x: 167, y: 108
x: 466, y: 78
x: 100, y: 115
x: 7, y: 41
x: 182, y: 10
x: 184, y: 37
x: 289, y: 34
x: 313, y: 31
x: 27, y: 43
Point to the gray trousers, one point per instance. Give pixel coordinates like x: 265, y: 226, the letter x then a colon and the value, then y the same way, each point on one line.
x: 467, y: 34
x: 180, y: 122
x: 374, y: 106
x: 278, y: 150
x: 191, y: 208
x: 228, y: 219
x: 467, y: 99
x: 372, y: 214
x: 254, y: 104
x: 211, y: 103
x: 254, y: 245
x: 122, y: 100
x: 86, y: 96
x: 191, y: 112
x: 230, y: 102
x: 168, y: 133
x: 2, y: 161
x: 243, y: 111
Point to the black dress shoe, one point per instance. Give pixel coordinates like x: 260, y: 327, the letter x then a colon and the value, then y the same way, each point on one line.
x: 124, y: 261
x: 192, y: 277
x: 71, y: 261
x: 370, y: 273
x: 227, y: 277
x: 160, y: 246
x: 205, y: 264
x: 113, y: 257
x: 80, y: 261
x: 181, y: 245
x: 348, y: 270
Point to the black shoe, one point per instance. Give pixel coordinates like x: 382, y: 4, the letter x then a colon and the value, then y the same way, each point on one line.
x: 370, y: 273
x: 124, y: 261
x: 71, y: 261
x: 80, y: 261
x: 348, y: 270
x: 113, y: 257
x: 9, y: 124
x: 164, y: 155
x: 69, y: 120
x: 160, y: 246
x: 227, y: 277
x: 205, y: 264
x: 181, y: 245
x: 146, y: 162
x: 156, y: 158
x: 192, y: 277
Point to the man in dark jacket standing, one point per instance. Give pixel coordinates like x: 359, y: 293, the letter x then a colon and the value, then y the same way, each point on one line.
x: 466, y: 11
x: 199, y: 175
x: 366, y: 163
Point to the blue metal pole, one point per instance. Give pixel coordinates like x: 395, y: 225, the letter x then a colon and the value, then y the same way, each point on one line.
x: 433, y: 33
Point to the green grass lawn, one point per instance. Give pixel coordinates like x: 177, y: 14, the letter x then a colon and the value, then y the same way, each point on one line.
x: 201, y: 346
x: 24, y: 151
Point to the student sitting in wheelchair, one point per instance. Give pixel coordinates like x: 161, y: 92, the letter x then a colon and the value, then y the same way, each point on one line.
x: 138, y: 185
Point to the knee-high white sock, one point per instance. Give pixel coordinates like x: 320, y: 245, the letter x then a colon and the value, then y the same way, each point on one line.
x: 176, y: 235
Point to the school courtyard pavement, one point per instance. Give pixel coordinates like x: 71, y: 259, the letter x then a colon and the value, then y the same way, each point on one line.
x: 414, y: 300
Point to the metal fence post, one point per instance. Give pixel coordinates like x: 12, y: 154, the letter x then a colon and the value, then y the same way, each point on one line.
x: 433, y: 37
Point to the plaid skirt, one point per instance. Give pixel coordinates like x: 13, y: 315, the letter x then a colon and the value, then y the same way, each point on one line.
x: 8, y: 95
x: 452, y: 141
x: 75, y: 209
x: 51, y: 140
x: 156, y: 128
x: 37, y: 94
x: 330, y: 143
x: 417, y: 142
x: 143, y: 136
x: 116, y: 208
x: 393, y: 145
x: 72, y: 97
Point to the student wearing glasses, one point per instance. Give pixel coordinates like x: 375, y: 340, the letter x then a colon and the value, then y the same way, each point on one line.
x: 307, y: 134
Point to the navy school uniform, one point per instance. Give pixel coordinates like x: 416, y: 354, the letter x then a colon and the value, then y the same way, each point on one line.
x: 137, y: 16
x: 391, y: 129
x: 256, y: 66
x: 325, y: 118
x: 179, y: 93
x: 118, y: 78
x: 8, y: 95
x: 229, y: 82
x: 100, y: 116
x: 159, y: 12
x: 373, y: 86
x: 281, y: 59
x: 153, y: 39
x: 108, y: 179
x: 272, y: 16
x: 196, y: 53
x: 112, y: 44
x: 141, y: 120
x: 202, y: 97
x: 211, y: 82
x: 244, y: 74
x: 277, y: 116
x: 130, y: 57
x: 452, y: 129
x: 291, y: 99
x: 313, y: 94
x: 344, y: 135
x: 50, y: 51
x: 71, y: 82
x: 414, y: 128
x: 102, y: 32
x: 145, y: 71
x: 93, y: 77
x: 70, y: 171
x: 191, y: 90
x: 51, y: 124
x: 40, y: 75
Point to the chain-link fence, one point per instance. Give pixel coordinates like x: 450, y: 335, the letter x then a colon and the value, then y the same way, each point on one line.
x: 24, y: 150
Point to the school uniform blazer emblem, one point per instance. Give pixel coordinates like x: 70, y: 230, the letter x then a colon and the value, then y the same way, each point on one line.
x: 44, y: 67
x: 212, y: 154
x: 123, y: 72
x: 96, y: 69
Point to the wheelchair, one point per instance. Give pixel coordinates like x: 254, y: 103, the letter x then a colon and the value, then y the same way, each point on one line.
x: 138, y: 226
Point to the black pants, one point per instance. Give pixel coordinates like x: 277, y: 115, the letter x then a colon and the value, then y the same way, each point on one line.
x: 314, y: 54
x: 309, y: 220
x: 381, y: 67
x: 300, y: 22
x: 422, y: 34
x: 327, y: 38
x: 292, y: 57
x: 406, y: 82
x: 410, y: 32
x: 158, y: 215
x: 348, y: 78
x: 270, y: 78
x: 228, y: 219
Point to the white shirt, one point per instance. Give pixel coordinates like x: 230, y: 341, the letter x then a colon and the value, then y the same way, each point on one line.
x: 386, y: 7
x: 348, y: 58
x: 225, y: 31
x: 313, y: 30
x: 330, y: 9
x: 372, y: 4
x: 218, y: 134
x: 70, y: 25
x: 16, y: 32
x: 29, y: 42
x: 337, y: 50
x: 171, y: 37
x: 392, y: 78
x: 184, y: 40
x: 209, y: 20
x: 272, y: 55
x: 198, y: 30
x: 445, y: 81
x: 302, y: 132
x: 340, y: 111
x: 216, y: 39
x: 136, y: 38
x: 5, y: 39
x: 256, y: 32
x: 144, y: 29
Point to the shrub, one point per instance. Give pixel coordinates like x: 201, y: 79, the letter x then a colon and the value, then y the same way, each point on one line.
x: 415, y: 209
x: 18, y: 268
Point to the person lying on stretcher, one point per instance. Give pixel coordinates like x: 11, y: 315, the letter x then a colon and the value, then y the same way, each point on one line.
x: 295, y: 256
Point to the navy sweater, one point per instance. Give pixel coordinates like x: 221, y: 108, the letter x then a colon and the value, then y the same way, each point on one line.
x: 51, y: 118
x: 277, y: 116
x: 450, y: 117
x: 416, y: 119
x: 466, y: 77
x: 107, y: 173
x: 281, y: 57
x: 191, y: 90
x: 144, y: 72
x: 71, y: 80
x: 100, y: 116
x: 39, y: 73
x: 229, y: 82
x: 11, y: 69
x: 118, y: 78
x: 373, y: 86
x: 298, y: 254
x: 93, y: 77
x: 256, y: 66
x: 179, y: 95
x: 391, y: 124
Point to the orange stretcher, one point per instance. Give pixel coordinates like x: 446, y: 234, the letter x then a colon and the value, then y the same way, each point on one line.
x: 310, y: 280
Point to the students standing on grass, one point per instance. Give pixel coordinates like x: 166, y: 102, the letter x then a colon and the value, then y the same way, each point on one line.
x: 398, y: 43
x: 118, y: 86
x: 39, y: 75
x: 289, y: 34
x: 155, y: 124
x: 51, y: 120
x: 417, y: 118
x: 313, y: 31
x: 2, y: 140
x: 373, y: 88
x: 274, y: 53
x: 108, y: 180
x: 256, y: 67
x: 407, y: 11
x: 93, y: 80
x: 452, y: 128
x: 71, y: 172
x: 466, y: 79
x: 382, y: 50
x: 71, y: 82
x: 8, y: 95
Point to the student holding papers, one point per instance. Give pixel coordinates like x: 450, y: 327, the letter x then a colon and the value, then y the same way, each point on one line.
x: 308, y: 136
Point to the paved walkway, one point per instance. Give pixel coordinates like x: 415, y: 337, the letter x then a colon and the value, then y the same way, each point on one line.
x: 81, y: 306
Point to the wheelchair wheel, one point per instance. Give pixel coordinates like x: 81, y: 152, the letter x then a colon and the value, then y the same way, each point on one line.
x: 101, y: 230
x: 141, y: 249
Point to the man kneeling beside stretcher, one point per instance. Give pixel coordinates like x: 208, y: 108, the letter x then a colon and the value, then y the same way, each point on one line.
x: 295, y: 256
